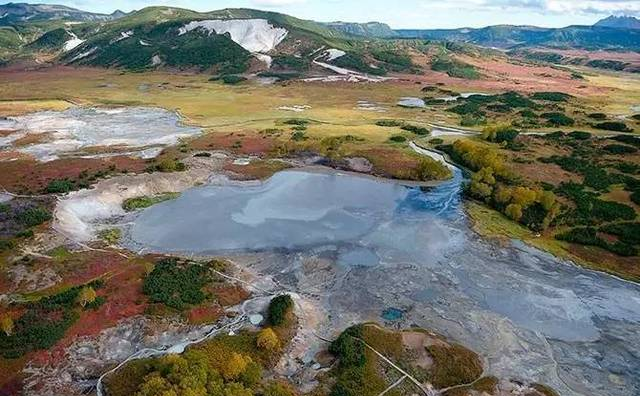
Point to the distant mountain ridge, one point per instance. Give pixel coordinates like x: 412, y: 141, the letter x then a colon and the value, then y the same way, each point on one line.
x: 510, y: 37
x: 24, y: 12
x: 369, y: 29
x: 619, y: 22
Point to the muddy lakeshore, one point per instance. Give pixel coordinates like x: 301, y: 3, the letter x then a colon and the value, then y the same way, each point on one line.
x: 413, y: 260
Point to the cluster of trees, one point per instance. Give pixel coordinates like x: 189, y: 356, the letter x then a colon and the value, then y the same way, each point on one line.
x: 532, y: 207
x: 500, y: 133
x: 175, y: 284
x: 493, y: 184
x: 352, y: 377
x: 280, y: 309
x: 589, y: 236
x: 191, y: 375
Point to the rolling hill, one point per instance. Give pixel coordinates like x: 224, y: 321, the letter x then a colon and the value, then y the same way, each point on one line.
x: 22, y: 12
x: 508, y: 36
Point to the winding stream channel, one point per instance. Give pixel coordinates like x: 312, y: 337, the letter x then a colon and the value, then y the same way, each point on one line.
x: 358, y: 247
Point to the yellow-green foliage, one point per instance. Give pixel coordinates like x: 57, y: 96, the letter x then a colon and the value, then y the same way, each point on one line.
x: 453, y: 365
x: 477, y: 156
x: 268, y: 340
x: 429, y: 169
x: 111, y: 236
x: 187, y: 376
x: 86, y: 296
x: 277, y: 388
x: 6, y: 324
x: 235, y: 365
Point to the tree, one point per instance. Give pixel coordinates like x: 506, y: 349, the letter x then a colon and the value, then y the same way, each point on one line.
x: 86, y: 296
x: 502, y: 195
x: 279, y: 308
x: 524, y: 196
x: 155, y: 385
x: 6, y: 323
x: 547, y: 199
x: 236, y: 389
x: 514, y: 212
x: 480, y: 190
x: 268, y: 340
x: 277, y: 388
x: 235, y: 366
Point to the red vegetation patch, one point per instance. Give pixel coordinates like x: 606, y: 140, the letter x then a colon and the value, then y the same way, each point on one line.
x: 500, y: 74
x: 229, y: 295
x: 238, y: 143
x: 206, y: 314
x: 11, y: 376
x: 123, y: 299
x: 24, y: 175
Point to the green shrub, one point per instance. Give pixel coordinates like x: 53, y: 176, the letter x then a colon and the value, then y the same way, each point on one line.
x: 357, y: 62
x: 232, y: 79
x: 279, y: 308
x: 296, y: 121
x: 558, y: 119
x: 527, y: 113
x: 613, y: 126
x: 169, y: 166
x: 620, y: 149
x: 176, y: 285
x: 291, y: 62
x: 627, y: 232
x: 551, y: 96
x: 389, y: 123
x: 60, y: 186
x: 33, y: 216
x: 578, y: 135
x: 454, y: 68
x: 43, y: 323
x: 298, y: 136
x: 348, y: 348
x: 144, y: 202
x: 6, y: 244
x: 589, y: 236
x: 397, y: 139
x: 470, y: 120
x: 415, y: 129
x: 627, y: 139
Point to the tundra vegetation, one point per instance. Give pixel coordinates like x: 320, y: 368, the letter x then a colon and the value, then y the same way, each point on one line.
x: 594, y: 205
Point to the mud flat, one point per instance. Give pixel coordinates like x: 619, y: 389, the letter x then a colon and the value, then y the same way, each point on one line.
x: 137, y: 131
x: 358, y: 254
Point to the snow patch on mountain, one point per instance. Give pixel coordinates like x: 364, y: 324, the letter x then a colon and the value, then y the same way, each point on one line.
x: 254, y: 35
x: 72, y: 43
x: 122, y: 36
x: 333, y: 54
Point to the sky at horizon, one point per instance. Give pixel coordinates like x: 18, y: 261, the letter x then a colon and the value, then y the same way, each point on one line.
x: 419, y: 14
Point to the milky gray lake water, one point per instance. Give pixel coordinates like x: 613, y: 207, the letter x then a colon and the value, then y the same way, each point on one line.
x: 410, y: 248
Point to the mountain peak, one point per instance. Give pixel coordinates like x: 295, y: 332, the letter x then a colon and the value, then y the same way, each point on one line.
x: 620, y: 22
